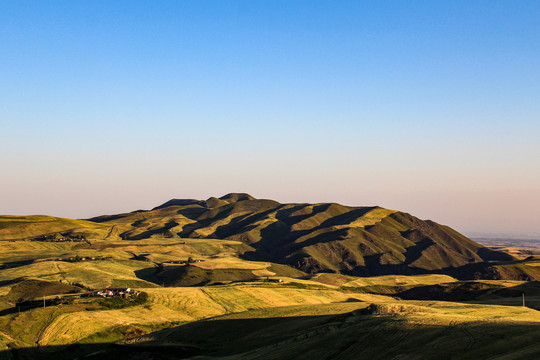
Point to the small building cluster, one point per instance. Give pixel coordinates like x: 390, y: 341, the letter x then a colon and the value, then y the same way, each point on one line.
x: 60, y: 238
x: 182, y: 262
x: 80, y: 258
x: 115, y: 292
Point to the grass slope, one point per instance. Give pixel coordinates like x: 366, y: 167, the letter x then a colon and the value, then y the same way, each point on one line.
x: 383, y: 330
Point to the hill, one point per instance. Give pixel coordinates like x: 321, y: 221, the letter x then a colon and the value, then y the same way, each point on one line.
x: 314, y: 238
x: 33, y: 226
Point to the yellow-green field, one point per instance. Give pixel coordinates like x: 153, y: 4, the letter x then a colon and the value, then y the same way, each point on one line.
x: 381, y: 328
x: 23, y: 227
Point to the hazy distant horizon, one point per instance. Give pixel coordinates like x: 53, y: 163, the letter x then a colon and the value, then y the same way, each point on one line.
x: 504, y: 236
x: 425, y: 107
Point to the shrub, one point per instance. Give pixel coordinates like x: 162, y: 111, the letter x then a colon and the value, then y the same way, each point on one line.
x: 120, y: 303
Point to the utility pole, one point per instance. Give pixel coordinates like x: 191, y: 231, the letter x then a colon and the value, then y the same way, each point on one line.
x: 523, y: 299
x: 44, y: 302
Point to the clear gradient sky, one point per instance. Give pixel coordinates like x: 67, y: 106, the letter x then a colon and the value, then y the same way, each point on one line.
x: 430, y: 107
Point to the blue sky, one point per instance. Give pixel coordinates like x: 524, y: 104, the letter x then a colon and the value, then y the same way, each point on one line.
x: 427, y: 107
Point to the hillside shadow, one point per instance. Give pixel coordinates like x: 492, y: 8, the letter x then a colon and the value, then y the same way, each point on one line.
x: 501, y: 270
x: 15, y: 264
x: 219, y: 213
x: 147, y: 234
x: 188, y: 275
x: 104, y: 351
x: 373, y: 267
x: 242, y: 223
x: 277, y: 234
x: 322, y: 238
x: 11, y: 282
x: 357, y: 334
x: 413, y: 253
x: 29, y: 305
x: 192, y: 213
x: 488, y: 254
x: 149, y: 274
x: 202, y: 338
x: 348, y: 217
x: 105, y: 218
x: 277, y: 239
x: 477, y: 292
